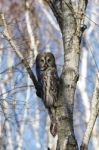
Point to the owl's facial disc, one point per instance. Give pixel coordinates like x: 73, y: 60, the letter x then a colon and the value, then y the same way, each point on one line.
x: 43, y: 64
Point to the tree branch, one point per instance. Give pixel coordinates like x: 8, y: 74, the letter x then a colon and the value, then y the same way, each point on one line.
x: 82, y: 4
x: 55, y: 5
x: 18, y: 53
x: 93, y: 116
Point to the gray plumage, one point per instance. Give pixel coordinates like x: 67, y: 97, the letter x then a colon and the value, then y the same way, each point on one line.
x: 46, y: 71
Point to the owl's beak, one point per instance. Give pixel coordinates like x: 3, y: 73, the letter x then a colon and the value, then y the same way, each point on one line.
x: 45, y: 66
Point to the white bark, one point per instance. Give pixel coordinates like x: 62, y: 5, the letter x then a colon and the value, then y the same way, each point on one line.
x: 29, y: 29
x: 7, y: 124
x: 93, y: 115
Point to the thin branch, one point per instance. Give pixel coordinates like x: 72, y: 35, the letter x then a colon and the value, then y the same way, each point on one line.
x: 15, y: 88
x: 82, y: 4
x: 24, y: 61
x: 80, y: 15
x: 7, y: 126
x: 93, y: 116
x: 8, y: 37
x: 56, y: 8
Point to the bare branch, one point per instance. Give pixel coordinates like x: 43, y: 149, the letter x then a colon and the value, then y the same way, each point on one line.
x: 6, y: 123
x: 16, y: 88
x: 56, y: 5
x: 82, y: 5
x: 8, y: 37
x: 93, y: 116
x: 24, y: 61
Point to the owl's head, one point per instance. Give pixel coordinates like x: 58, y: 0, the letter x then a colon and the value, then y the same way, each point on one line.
x: 45, y: 60
x: 50, y: 59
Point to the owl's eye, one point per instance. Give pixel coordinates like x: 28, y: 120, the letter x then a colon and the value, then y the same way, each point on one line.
x: 48, y: 60
x: 42, y: 60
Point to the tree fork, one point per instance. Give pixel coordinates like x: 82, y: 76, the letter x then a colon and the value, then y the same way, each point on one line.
x: 69, y: 20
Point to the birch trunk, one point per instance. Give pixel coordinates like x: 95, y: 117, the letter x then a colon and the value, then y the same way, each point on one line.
x: 69, y: 20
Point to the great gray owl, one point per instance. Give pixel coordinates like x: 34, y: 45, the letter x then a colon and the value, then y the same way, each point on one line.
x: 46, y: 71
x: 48, y: 81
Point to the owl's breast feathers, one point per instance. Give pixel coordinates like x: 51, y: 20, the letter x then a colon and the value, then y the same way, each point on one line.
x: 50, y: 86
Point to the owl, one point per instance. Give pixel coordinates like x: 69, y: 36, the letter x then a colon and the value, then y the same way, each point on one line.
x: 46, y: 71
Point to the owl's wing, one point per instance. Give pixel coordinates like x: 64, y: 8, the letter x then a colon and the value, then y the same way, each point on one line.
x: 39, y: 74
